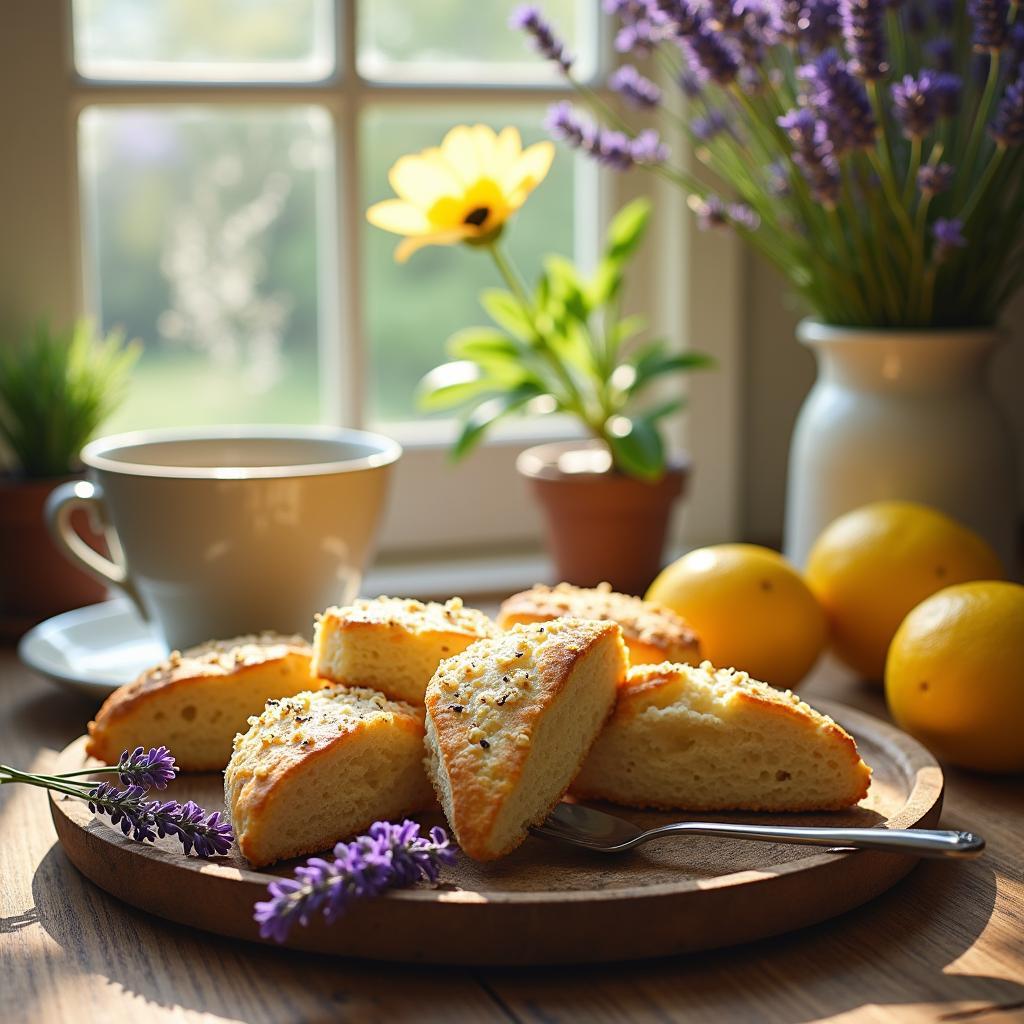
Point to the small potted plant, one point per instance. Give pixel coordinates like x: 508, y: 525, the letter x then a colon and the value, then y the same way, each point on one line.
x: 56, y: 388
x: 561, y: 346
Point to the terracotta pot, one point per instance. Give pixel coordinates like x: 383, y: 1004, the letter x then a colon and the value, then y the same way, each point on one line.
x: 601, y: 525
x: 36, y: 580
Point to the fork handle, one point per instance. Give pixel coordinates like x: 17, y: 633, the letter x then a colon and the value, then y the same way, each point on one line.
x: 919, y: 842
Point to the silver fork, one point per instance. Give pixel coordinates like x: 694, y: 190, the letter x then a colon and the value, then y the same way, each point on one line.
x: 604, y: 833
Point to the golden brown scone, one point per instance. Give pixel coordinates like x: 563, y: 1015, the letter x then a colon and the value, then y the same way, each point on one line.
x: 652, y: 633
x: 510, y: 720
x: 706, y: 739
x: 196, y: 701
x: 393, y: 644
x: 319, y: 767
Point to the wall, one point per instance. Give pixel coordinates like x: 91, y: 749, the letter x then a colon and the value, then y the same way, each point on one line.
x: 778, y: 373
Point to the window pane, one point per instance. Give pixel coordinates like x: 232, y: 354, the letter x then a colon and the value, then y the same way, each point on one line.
x: 412, y: 308
x: 210, y: 40
x: 452, y: 40
x: 201, y: 238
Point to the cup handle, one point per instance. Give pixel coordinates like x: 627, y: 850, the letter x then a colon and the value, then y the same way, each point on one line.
x: 61, y: 503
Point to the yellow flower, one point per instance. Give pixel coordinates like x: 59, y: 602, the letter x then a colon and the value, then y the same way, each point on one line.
x: 463, y: 191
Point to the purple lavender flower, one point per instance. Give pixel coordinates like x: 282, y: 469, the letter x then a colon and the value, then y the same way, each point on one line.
x: 820, y: 23
x: 813, y: 153
x: 934, y: 179
x: 840, y: 101
x: 942, y: 54
x: 712, y: 54
x: 641, y: 28
x: 1007, y: 127
x: 789, y: 14
x: 390, y: 856
x: 612, y: 148
x: 947, y: 88
x: 706, y: 128
x: 948, y: 235
x: 146, y: 819
x: 634, y: 87
x: 914, y: 104
x: 647, y: 148
x: 989, y: 17
x: 682, y: 17
x: 864, y: 36
x: 154, y: 767
x: 713, y: 212
x: 530, y: 20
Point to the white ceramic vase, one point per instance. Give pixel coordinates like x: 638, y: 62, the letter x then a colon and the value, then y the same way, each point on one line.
x: 901, y: 415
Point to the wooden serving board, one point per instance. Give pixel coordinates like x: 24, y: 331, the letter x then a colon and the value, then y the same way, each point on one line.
x: 546, y: 903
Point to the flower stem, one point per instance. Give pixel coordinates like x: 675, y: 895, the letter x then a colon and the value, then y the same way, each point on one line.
x: 978, y: 128
x: 572, y: 400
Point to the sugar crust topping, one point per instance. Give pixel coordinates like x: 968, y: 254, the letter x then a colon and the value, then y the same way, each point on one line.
x: 640, y: 620
x: 413, y: 616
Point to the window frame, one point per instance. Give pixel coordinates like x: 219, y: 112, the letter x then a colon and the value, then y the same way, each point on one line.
x: 676, y: 266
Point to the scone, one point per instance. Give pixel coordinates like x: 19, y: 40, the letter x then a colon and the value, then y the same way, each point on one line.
x: 510, y: 720
x: 685, y: 738
x: 195, y: 702
x: 393, y: 644
x: 320, y: 767
x: 652, y: 633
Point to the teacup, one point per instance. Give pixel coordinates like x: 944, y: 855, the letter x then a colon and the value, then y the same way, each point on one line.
x: 223, y: 531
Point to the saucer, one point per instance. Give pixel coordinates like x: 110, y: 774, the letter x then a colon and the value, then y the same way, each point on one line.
x: 92, y: 650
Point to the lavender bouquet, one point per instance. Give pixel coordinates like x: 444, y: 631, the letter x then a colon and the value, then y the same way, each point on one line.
x: 142, y: 819
x: 872, y: 149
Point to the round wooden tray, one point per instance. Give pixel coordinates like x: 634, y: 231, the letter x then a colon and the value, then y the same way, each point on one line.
x: 546, y: 903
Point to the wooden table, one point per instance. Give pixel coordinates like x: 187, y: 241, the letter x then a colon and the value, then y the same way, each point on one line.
x: 947, y: 944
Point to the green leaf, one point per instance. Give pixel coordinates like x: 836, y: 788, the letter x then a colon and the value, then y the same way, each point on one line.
x: 487, y: 413
x: 504, y: 309
x: 567, y: 286
x: 451, y: 384
x: 606, y: 284
x: 477, y: 342
x: 626, y: 230
x: 637, y: 448
x: 654, y: 360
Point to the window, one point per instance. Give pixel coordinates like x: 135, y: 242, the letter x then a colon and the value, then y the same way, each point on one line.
x: 221, y: 155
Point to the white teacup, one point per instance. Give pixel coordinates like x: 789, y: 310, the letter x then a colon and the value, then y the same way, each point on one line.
x: 222, y: 531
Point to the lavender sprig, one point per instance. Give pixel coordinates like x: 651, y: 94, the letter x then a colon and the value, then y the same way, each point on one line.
x: 141, y: 819
x: 612, y: 148
x: 864, y: 35
x: 144, y: 820
x: 634, y: 87
x: 989, y: 18
x: 1007, y: 128
x: 530, y: 20
x: 390, y: 856
x: 147, y: 768
x: 948, y: 235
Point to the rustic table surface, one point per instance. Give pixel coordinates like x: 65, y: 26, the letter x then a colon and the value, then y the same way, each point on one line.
x: 946, y: 944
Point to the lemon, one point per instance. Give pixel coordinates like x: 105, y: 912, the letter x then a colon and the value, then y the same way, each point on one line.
x: 872, y: 565
x: 955, y: 675
x: 750, y: 608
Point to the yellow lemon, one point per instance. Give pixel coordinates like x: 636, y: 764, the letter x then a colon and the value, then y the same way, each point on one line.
x: 955, y: 675
x: 750, y: 608
x: 872, y: 565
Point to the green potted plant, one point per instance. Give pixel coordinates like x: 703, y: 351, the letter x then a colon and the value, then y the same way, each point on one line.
x: 876, y: 153
x: 560, y: 346
x: 56, y: 389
